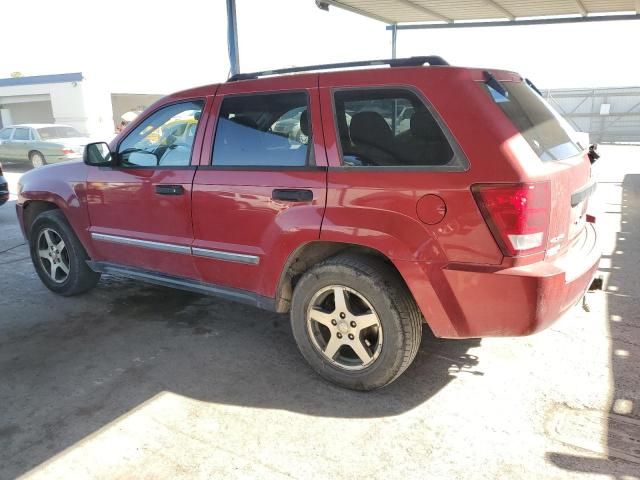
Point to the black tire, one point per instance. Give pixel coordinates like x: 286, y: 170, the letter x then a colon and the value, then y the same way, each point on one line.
x: 37, y: 159
x: 80, y: 277
x: 399, y: 317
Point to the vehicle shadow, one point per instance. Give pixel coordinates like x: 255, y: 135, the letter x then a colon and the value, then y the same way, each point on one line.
x: 623, y: 313
x: 83, y: 362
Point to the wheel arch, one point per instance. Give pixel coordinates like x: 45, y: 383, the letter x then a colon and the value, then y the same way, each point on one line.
x: 310, y: 254
x: 32, y: 209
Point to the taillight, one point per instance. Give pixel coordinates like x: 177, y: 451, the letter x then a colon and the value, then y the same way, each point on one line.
x: 67, y: 151
x: 517, y: 215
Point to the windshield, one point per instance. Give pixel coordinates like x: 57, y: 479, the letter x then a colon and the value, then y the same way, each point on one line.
x: 548, y: 134
x: 47, y: 133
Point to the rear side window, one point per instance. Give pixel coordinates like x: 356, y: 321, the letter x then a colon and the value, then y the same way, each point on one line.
x: 21, y: 134
x: 548, y: 134
x: 390, y: 128
x: 60, y: 131
x: 266, y: 130
x: 5, y: 134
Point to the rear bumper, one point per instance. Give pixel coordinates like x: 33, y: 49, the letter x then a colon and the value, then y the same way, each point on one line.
x: 482, y: 302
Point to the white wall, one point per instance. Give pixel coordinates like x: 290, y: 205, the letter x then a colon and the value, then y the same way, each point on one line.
x: 97, y: 101
x: 31, y: 112
x: 67, y: 101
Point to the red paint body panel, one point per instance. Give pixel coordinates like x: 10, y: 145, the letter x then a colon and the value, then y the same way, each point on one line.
x: 123, y: 202
x: 63, y: 185
x: 238, y: 218
x: 458, y: 275
x: 521, y: 300
x: 233, y: 210
x: 379, y: 207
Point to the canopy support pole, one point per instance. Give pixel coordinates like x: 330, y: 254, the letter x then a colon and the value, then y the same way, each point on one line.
x: 394, y: 40
x: 232, y: 39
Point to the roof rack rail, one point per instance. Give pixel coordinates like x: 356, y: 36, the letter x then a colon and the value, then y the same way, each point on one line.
x: 432, y: 60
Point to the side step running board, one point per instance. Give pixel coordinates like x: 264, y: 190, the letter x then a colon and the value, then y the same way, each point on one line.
x: 195, y: 286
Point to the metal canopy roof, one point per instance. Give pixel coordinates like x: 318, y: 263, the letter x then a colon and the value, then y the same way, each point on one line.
x: 450, y: 11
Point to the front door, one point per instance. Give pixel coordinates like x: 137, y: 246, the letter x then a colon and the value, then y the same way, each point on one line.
x: 260, y: 190
x: 140, y: 210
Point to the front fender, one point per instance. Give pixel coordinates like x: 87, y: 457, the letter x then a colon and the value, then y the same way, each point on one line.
x: 62, y: 185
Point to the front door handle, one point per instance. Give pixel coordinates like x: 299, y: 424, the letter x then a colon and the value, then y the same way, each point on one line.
x: 169, y: 189
x: 292, y: 195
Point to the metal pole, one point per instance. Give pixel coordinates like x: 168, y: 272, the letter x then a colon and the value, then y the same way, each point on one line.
x: 232, y: 38
x: 394, y: 44
x: 394, y: 39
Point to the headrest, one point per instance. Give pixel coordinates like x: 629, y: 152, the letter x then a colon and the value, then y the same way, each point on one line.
x: 245, y: 121
x: 304, y: 123
x: 370, y: 128
x: 424, y: 126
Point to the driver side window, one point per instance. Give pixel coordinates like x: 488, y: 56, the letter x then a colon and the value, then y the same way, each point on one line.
x: 164, y: 139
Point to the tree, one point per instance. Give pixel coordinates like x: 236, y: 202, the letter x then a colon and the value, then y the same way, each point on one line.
x: 16, y: 74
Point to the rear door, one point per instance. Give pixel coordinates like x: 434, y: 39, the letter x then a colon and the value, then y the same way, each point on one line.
x: 261, y: 187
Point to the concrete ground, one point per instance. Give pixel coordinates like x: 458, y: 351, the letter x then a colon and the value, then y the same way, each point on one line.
x: 136, y: 381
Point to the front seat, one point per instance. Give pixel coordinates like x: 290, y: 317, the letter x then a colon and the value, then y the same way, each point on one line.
x: 372, y: 139
x: 304, y: 123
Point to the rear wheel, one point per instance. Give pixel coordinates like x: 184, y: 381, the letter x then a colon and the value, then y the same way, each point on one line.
x: 37, y: 159
x: 58, y: 256
x: 355, y: 322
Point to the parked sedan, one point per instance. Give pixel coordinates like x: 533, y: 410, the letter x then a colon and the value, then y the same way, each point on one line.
x: 41, y: 143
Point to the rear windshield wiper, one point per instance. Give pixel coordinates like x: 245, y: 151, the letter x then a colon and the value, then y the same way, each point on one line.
x: 532, y: 85
x: 493, y: 82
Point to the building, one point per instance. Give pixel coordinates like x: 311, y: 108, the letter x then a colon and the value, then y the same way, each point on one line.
x: 608, y: 114
x: 67, y: 98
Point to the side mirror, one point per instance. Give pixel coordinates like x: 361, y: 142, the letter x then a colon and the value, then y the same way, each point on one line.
x: 97, y: 154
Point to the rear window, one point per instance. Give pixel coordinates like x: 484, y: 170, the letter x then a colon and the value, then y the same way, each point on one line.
x: 47, y: 133
x: 548, y: 134
x: 21, y: 134
x: 263, y: 130
x: 391, y: 127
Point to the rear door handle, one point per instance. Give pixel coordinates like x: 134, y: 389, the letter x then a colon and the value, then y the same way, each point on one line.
x: 292, y: 195
x: 169, y: 189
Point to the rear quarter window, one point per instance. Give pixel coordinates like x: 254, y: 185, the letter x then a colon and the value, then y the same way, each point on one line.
x: 546, y: 132
x: 391, y: 127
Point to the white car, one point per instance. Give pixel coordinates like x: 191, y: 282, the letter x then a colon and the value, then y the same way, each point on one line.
x: 42, y: 143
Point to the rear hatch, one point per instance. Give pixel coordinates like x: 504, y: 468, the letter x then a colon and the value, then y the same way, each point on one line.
x: 564, y: 161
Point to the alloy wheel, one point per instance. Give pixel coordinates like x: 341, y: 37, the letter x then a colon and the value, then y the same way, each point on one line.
x: 344, y: 327
x: 53, y: 255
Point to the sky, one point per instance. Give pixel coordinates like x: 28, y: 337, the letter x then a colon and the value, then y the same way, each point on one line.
x: 140, y: 46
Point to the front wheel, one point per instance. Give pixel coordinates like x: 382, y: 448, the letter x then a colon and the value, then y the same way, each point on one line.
x: 355, y: 322
x: 58, y: 256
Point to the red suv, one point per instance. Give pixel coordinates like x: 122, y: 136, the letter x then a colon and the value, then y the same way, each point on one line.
x: 364, y: 202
